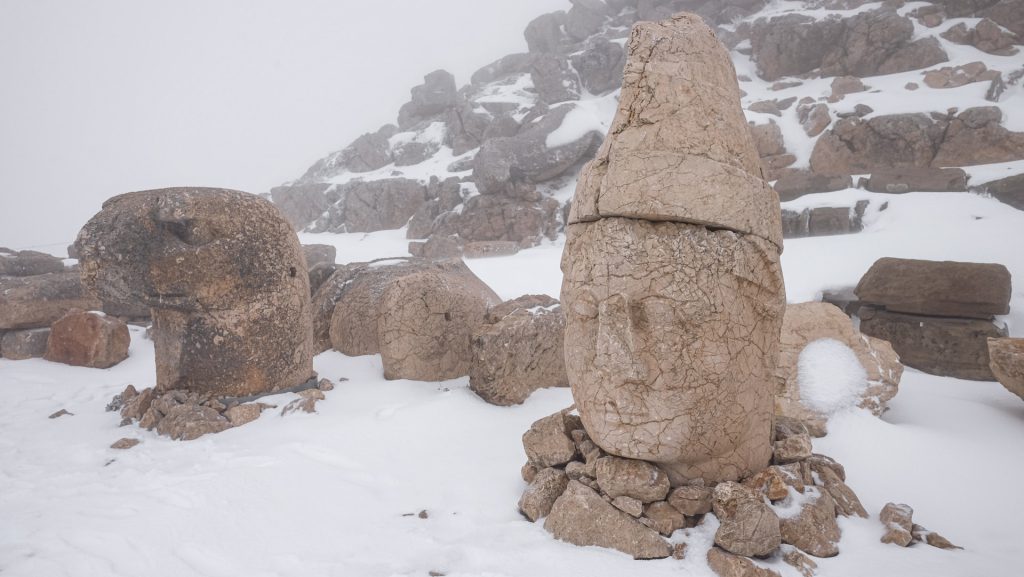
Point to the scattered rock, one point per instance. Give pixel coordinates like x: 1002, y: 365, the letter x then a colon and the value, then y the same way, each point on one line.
x: 729, y: 565
x: 632, y: 478
x: 188, y: 421
x: 547, y: 443
x: 38, y: 301
x: 28, y: 263
x: 634, y: 507
x: 922, y: 535
x: 691, y: 500
x: 794, y: 184
x: 84, y: 339
x: 956, y: 76
x: 547, y: 486
x: 305, y: 403
x: 125, y: 443
x: 244, y: 413
x: 814, y: 529
x: 1008, y: 190
x: 898, y: 523
x: 918, y: 180
x: 748, y: 527
x: 792, y: 449
x: 581, y: 517
x: 663, y: 518
x: 61, y: 413
x: 797, y: 560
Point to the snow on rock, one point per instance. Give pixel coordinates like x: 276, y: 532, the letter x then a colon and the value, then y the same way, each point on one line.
x: 831, y: 377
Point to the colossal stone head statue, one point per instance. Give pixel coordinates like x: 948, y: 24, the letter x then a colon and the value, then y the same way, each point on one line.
x: 672, y: 285
x: 225, y: 278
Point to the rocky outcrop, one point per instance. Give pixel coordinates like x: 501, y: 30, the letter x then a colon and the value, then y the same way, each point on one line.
x: 867, y: 44
x: 84, y: 339
x: 518, y: 351
x: 1009, y: 190
x: 1006, y: 359
x: 666, y: 170
x: 225, y: 277
x: 805, y: 323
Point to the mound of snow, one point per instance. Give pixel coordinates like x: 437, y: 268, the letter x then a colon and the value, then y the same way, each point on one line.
x: 830, y: 376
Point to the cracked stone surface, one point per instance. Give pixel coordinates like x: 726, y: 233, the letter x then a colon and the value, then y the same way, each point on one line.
x: 225, y: 277
x: 672, y: 286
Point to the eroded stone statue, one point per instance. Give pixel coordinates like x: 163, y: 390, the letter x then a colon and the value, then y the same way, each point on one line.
x: 673, y: 290
x: 226, y: 280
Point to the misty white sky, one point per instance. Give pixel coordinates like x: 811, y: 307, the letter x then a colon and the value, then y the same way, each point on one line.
x: 109, y: 96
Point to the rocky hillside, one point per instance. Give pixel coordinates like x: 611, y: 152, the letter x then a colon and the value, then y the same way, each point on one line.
x: 884, y: 97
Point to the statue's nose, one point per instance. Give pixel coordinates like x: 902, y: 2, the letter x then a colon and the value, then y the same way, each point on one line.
x: 616, y: 341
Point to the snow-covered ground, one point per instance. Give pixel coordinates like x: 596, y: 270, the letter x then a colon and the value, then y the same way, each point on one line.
x: 339, y: 493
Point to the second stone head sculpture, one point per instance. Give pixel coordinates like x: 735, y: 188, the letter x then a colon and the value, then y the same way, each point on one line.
x: 672, y: 284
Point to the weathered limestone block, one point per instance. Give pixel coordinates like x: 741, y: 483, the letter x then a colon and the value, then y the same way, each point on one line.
x: 671, y: 356
x: 37, y: 301
x: 939, y: 288
x: 814, y: 529
x: 1006, y: 359
x: 545, y: 488
x: 225, y: 277
x: 672, y: 286
x: 748, y: 527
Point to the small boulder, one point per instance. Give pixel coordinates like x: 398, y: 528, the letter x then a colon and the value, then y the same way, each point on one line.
x: 813, y: 529
x: 691, y: 500
x: 899, y: 524
x: 87, y: 339
x: 547, y: 486
x: 125, y: 443
x: 641, y: 480
x: 581, y: 517
x: 729, y: 565
x: 748, y: 527
x: 792, y: 449
x: 188, y: 421
x: 306, y: 402
x: 28, y: 263
x: 918, y: 180
x: 24, y: 344
x: 38, y: 301
x: 663, y: 518
x: 547, y: 443
x: 244, y: 413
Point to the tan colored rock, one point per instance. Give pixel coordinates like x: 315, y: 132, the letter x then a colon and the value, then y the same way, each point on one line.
x: 306, y: 402
x: 125, y: 443
x: 634, y: 507
x: 520, y: 353
x: 225, y: 277
x: 581, y: 517
x: 690, y: 500
x: 939, y: 288
x: 24, y: 344
x: 547, y: 444
x: 540, y: 496
x: 813, y: 529
x: 245, y: 413
x: 923, y: 535
x: 774, y: 483
x: 792, y: 449
x: 728, y: 565
x: 653, y: 343
x: 661, y: 143
x: 899, y: 524
x: 847, y: 502
x: 188, y: 421
x: 797, y: 560
x: 632, y: 478
x: 85, y: 339
x: 805, y: 323
x: 748, y: 527
x: 1006, y: 358
x: 663, y: 518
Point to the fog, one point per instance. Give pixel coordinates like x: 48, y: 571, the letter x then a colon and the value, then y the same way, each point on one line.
x: 109, y: 96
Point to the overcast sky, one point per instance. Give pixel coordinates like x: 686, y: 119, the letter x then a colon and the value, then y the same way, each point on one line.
x: 109, y: 96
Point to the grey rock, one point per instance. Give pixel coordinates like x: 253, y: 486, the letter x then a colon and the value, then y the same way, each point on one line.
x: 545, y: 488
x: 24, y: 344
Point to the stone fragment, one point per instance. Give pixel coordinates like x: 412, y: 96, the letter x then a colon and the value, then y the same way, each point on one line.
x: 437, y: 94
x: 949, y: 289
x: 529, y: 471
x: 546, y: 487
x: 137, y: 406
x: 922, y: 535
x: 189, y: 421
x: 581, y: 517
x: 226, y: 280
x: 24, y: 344
x: 487, y: 249
x: 1006, y: 359
x: 518, y: 354
x: 125, y: 443
x: 547, y: 443
x: 918, y: 180
x: 306, y: 402
x: 728, y: 565
x: 813, y: 529
x: 794, y: 184
x: 38, y: 301
x: 898, y: 523
x: 244, y: 413
x: 956, y: 76
x: 773, y: 483
x: 61, y: 413
x: 632, y: 478
x: 635, y: 507
x: 814, y: 118
x: 85, y: 339
x: 1009, y: 190
x: 797, y: 560
x: 748, y: 527
x: 691, y: 500
x: 792, y: 449
x: 28, y: 263
x: 847, y: 503
x: 663, y: 518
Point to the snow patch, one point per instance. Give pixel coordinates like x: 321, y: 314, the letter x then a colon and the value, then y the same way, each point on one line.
x: 831, y: 377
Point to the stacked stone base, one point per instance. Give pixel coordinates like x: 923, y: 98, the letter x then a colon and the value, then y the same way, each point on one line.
x: 788, y: 510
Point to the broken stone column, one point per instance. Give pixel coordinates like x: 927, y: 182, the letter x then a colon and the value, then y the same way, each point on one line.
x: 673, y: 290
x: 224, y: 275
